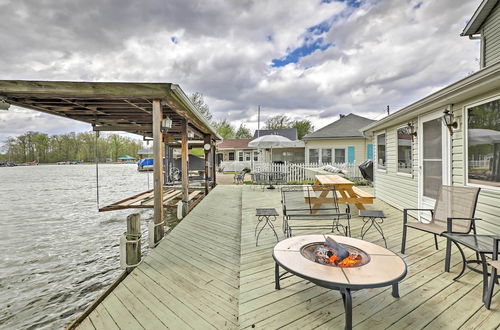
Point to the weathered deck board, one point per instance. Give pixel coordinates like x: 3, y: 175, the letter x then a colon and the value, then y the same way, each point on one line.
x: 228, y: 282
x: 184, y: 282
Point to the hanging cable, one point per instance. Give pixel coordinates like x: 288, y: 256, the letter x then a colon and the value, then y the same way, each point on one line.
x: 96, y: 149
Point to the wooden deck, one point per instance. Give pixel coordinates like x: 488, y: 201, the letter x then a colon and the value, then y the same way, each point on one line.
x: 208, y: 273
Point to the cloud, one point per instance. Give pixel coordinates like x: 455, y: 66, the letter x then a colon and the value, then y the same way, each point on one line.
x: 334, y: 56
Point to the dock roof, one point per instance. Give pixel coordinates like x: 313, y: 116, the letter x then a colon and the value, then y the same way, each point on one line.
x: 109, y: 106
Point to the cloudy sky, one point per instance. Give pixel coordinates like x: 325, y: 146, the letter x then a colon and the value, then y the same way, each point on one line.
x: 304, y: 58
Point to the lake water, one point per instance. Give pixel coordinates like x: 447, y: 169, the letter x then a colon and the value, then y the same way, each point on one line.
x: 57, y: 253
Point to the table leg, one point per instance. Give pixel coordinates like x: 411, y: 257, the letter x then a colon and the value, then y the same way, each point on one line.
x: 257, y: 226
x: 485, y: 276
x: 379, y: 229
x: 260, y: 231
x: 464, y: 261
x: 347, y: 298
x: 447, y: 258
x: 317, y: 205
x: 352, y: 194
x: 277, y: 276
x: 274, y: 230
x: 395, y: 290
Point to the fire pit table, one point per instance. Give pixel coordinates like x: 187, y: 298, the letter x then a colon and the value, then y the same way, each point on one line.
x: 368, y: 266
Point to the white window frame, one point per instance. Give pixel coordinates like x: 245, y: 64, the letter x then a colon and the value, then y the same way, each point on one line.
x: 410, y: 175
x: 345, y: 154
x: 321, y: 156
x: 465, y: 120
x: 229, y: 156
x: 249, y: 154
x: 309, y: 154
x: 379, y: 169
x: 255, y: 156
x: 241, y: 156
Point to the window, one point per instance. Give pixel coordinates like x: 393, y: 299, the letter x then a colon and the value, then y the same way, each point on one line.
x: 240, y: 156
x: 340, y: 156
x: 248, y: 156
x: 483, y: 144
x: 313, y: 156
x: 231, y: 156
x: 404, y: 150
x: 326, y: 156
x: 255, y: 156
x: 381, y: 151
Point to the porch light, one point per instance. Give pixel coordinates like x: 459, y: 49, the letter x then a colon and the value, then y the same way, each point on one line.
x: 207, y: 146
x: 411, y: 128
x: 449, y: 120
x: 166, y: 123
x: 190, y: 135
x: 4, y: 105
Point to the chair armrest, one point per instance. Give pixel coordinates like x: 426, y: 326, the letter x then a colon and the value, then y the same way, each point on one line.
x: 405, y: 213
x: 449, y: 222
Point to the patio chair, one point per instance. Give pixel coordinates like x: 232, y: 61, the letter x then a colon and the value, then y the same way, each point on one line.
x: 300, y: 204
x: 239, y: 177
x: 452, y: 202
x: 495, y: 267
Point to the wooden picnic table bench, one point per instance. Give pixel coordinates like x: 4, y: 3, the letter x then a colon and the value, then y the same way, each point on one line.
x: 346, y: 192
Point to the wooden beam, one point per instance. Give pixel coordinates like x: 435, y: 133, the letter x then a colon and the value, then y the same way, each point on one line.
x: 138, y: 107
x: 214, y: 163
x: 206, y: 141
x: 185, y: 166
x: 158, y: 231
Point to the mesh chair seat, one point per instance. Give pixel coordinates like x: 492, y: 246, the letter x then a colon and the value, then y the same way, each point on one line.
x: 437, y: 228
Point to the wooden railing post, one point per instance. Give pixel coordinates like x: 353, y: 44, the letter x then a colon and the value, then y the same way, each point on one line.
x: 130, y: 243
x: 206, y: 142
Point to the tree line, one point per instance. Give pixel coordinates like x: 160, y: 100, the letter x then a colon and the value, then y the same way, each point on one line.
x: 36, y: 146
x: 227, y: 131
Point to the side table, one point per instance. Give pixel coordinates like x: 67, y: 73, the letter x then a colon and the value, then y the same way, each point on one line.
x: 372, y: 218
x: 264, y: 216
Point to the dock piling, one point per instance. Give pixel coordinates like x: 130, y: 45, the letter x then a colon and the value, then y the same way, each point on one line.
x: 130, y: 243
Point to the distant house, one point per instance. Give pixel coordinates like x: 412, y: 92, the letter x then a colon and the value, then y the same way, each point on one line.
x: 455, y: 135
x: 126, y: 159
x: 235, y: 154
x: 236, y: 150
x: 339, y: 142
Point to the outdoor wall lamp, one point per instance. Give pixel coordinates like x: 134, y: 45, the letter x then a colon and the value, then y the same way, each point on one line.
x: 190, y: 135
x: 413, y: 132
x: 166, y: 123
x: 449, y: 120
x: 4, y: 105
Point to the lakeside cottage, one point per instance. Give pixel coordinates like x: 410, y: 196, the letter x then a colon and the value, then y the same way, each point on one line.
x: 339, y: 142
x: 451, y: 136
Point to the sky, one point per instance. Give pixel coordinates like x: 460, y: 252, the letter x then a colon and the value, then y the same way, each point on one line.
x: 307, y: 59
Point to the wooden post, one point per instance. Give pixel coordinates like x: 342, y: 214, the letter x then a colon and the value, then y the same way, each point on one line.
x: 185, y: 167
x: 214, y: 165
x: 130, y: 243
x: 158, y: 231
x: 206, y: 140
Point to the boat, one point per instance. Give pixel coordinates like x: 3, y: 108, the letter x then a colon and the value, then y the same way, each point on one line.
x: 145, y: 164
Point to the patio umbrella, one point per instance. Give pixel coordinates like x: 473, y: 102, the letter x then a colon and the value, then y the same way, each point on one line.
x: 270, y: 142
x: 479, y: 136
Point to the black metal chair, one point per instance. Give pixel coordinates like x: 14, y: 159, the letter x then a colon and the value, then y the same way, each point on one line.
x: 453, y: 202
x: 301, y: 203
x: 495, y: 266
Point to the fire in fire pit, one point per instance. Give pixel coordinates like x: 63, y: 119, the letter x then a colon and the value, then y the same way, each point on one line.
x: 335, y: 254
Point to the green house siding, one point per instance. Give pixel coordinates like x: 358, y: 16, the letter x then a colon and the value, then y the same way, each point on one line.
x: 491, y: 37
x: 402, y: 191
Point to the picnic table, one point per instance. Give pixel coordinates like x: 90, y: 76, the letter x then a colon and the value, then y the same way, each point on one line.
x: 347, y: 193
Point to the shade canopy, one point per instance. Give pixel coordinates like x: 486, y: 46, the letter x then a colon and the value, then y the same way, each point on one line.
x: 272, y: 141
x: 110, y: 106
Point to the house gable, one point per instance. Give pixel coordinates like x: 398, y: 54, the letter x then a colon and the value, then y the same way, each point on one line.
x: 486, y: 23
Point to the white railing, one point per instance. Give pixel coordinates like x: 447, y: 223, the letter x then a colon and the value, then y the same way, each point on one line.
x: 301, y: 171
x: 482, y: 163
x: 230, y: 166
